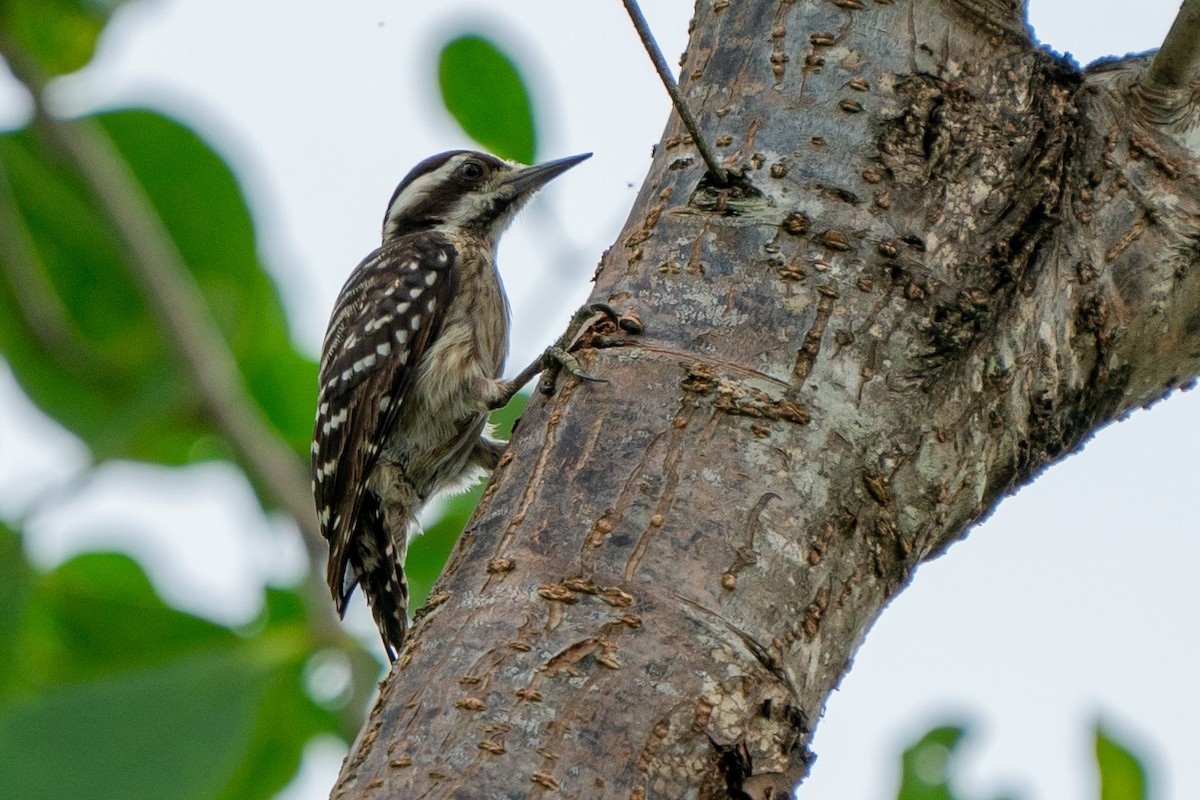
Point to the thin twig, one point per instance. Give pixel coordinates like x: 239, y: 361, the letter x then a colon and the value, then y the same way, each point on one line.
x: 177, y: 302
x: 664, y: 72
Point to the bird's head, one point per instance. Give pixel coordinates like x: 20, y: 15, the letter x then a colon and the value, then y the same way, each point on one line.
x: 464, y: 192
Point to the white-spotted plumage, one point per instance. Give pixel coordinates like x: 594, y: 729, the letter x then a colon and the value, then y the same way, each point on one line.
x: 411, y: 367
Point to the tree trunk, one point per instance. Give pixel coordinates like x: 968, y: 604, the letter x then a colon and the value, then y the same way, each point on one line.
x: 950, y: 259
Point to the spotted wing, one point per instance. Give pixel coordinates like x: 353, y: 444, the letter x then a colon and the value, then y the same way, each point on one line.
x: 387, y: 316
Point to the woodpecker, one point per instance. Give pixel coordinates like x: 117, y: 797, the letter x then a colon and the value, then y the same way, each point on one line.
x: 410, y: 368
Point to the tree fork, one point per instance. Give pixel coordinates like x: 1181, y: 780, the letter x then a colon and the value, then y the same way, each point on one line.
x: 950, y: 258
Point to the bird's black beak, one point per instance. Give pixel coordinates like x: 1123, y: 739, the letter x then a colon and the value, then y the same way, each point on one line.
x: 528, y: 180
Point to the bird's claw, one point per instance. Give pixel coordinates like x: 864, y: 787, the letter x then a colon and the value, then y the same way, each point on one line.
x: 557, y: 360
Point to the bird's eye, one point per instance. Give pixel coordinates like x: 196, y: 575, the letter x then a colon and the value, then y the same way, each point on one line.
x: 471, y: 170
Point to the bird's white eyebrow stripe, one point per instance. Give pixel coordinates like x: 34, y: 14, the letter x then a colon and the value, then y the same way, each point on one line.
x: 420, y: 189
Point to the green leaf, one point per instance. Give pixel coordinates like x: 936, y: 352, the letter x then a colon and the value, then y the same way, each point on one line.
x: 97, y: 614
x: 1122, y: 775
x: 927, y: 765
x: 484, y: 92
x: 120, y: 696
x: 172, y: 731
x: 75, y: 329
x: 428, y: 552
x: 285, y: 720
x: 15, y: 581
x: 59, y: 34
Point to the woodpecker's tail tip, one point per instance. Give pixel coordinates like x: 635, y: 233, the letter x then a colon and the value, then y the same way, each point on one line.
x: 393, y: 627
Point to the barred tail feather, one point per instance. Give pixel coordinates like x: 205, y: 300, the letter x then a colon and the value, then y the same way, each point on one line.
x: 381, y: 574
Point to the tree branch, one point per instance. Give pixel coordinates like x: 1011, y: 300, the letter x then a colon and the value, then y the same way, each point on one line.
x: 1175, y: 64
x: 960, y: 261
x: 1165, y: 91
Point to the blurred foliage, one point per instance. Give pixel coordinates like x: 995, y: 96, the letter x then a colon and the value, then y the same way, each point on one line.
x: 927, y: 767
x: 1122, y: 774
x: 60, y: 35
x: 75, y: 328
x: 485, y: 93
x: 107, y: 692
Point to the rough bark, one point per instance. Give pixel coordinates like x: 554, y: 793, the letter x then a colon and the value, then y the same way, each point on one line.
x: 952, y: 257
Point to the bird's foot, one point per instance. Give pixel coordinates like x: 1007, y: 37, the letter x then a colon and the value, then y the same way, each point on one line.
x: 558, y: 359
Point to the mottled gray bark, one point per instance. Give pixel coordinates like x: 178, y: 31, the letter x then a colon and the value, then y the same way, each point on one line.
x: 951, y: 259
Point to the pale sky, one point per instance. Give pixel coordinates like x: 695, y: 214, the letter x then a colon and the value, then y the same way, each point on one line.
x: 1077, y: 600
